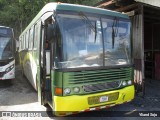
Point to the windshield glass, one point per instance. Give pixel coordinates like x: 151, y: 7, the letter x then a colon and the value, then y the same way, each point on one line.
x: 5, y: 48
x: 80, y: 41
x: 116, y: 41
x: 81, y: 46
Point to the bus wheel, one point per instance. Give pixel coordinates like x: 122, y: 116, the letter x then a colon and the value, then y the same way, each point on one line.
x: 9, y: 81
x: 22, y: 72
x: 50, y: 111
x: 36, y: 84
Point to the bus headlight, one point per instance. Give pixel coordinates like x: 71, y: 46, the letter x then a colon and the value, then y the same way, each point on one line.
x: 124, y: 83
x: 76, y: 89
x: 9, y: 68
x: 129, y: 82
x: 67, y: 91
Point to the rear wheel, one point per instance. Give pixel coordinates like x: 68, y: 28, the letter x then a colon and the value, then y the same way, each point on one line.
x: 22, y: 71
x: 36, y: 84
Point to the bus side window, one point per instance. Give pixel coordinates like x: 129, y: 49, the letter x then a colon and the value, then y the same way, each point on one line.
x: 31, y: 33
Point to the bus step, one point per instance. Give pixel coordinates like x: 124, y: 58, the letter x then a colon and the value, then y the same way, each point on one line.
x: 48, y: 84
x: 48, y: 96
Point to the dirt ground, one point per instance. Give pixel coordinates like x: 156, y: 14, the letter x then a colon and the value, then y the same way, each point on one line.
x: 20, y: 96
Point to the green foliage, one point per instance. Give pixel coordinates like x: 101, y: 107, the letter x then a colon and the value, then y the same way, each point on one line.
x: 19, y: 13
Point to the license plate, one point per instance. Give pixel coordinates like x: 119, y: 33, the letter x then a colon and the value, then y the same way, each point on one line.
x: 103, y: 99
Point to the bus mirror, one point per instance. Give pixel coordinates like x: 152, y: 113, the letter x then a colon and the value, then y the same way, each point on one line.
x: 98, y: 27
x: 98, y: 31
x: 50, y: 32
x: 98, y: 24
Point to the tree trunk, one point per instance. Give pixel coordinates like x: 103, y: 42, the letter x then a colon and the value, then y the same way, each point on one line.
x: 21, y: 26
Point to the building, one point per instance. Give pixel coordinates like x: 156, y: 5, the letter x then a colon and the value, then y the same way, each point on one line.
x: 145, y: 18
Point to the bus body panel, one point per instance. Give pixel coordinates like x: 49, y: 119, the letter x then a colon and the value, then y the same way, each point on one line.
x: 29, y: 67
x: 79, y: 103
x: 10, y: 74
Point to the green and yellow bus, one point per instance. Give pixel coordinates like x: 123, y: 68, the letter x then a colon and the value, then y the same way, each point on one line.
x: 78, y: 58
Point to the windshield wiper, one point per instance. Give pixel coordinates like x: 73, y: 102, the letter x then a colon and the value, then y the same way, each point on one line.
x: 94, y: 28
x: 88, y: 21
x: 114, y: 30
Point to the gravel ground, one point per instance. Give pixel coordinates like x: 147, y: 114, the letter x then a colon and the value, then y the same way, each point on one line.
x: 20, y: 96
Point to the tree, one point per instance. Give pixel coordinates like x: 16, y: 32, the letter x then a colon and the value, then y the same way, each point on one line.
x: 19, y: 13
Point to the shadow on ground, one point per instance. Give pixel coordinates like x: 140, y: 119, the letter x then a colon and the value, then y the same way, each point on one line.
x: 17, y: 91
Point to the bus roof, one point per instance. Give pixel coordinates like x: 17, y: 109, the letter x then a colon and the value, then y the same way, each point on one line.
x: 50, y: 7
x: 5, y: 27
x: 83, y: 8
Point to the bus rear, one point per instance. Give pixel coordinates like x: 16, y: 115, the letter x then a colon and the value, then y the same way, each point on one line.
x: 7, y: 61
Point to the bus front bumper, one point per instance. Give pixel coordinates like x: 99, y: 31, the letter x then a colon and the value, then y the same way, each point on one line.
x: 79, y: 103
x: 7, y: 71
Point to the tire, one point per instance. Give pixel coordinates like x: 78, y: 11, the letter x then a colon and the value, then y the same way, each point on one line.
x: 9, y: 82
x: 22, y: 72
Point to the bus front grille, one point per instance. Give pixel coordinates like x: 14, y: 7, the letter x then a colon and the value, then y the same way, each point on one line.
x: 102, y: 86
x: 88, y: 77
x: 98, y: 80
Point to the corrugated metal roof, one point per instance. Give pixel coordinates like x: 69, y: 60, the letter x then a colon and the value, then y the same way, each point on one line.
x: 150, y: 2
x: 107, y: 3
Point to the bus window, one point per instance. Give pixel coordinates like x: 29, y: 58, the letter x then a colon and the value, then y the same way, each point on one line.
x: 7, y: 61
x: 31, y: 38
x: 27, y: 36
x: 35, y: 36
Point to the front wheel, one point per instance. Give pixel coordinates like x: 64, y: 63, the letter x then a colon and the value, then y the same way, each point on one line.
x: 9, y: 82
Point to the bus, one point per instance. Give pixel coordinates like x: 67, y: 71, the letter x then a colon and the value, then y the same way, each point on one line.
x: 7, y: 48
x: 78, y: 58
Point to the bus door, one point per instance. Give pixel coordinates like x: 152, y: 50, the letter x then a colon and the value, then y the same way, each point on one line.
x: 39, y: 46
x: 46, y: 62
x: 47, y: 48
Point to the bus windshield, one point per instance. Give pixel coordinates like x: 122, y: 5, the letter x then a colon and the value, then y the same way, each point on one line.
x: 88, y: 41
x: 5, y: 48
